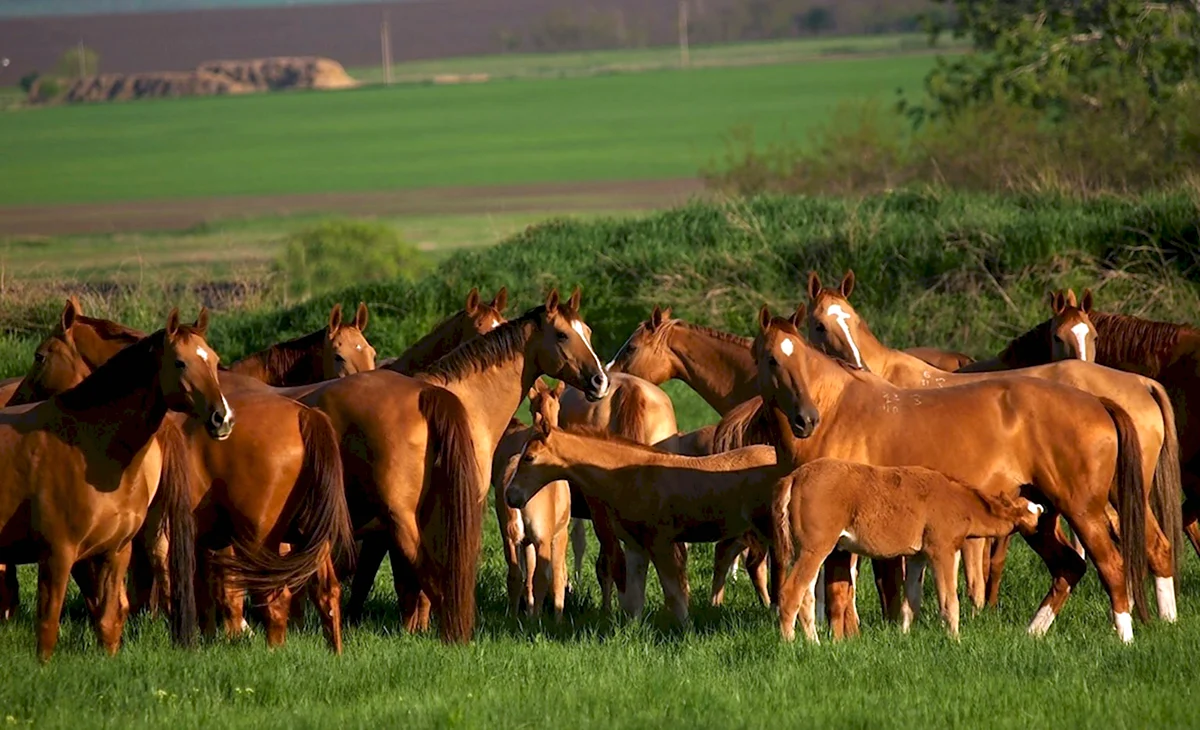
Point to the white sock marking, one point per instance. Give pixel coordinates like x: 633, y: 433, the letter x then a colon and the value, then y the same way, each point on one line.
x: 1164, y: 593
x: 578, y: 327
x: 1123, y: 623
x: 1080, y: 331
x: 1041, y: 621
x: 842, y: 315
x: 202, y: 354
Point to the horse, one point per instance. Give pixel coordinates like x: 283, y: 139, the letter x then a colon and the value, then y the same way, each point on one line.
x: 637, y: 410
x: 837, y: 329
x: 535, y: 536
x: 654, y: 500
x: 279, y: 475
x: 84, y: 466
x: 1168, y: 353
x: 334, y: 352
x: 1018, y: 435
x: 417, y: 452
x: 881, y: 512
x: 474, y: 319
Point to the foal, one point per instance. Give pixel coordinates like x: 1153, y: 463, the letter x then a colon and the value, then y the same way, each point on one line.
x: 882, y: 512
x: 653, y: 499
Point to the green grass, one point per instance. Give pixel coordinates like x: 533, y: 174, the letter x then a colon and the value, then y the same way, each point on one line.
x: 662, y: 124
x: 524, y: 65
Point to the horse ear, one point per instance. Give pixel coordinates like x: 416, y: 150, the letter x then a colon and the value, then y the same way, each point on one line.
x: 560, y: 388
x: 848, y: 283
x: 814, y: 286
x: 552, y: 301
x: 173, y: 322
x: 573, y: 302
x: 799, y: 315
x: 472, y: 305
x: 1057, y: 302
x: 501, y: 299
x: 540, y: 425
x: 764, y: 318
x: 360, y: 317
x: 1071, y: 300
x: 69, y: 313
x: 335, y: 318
x: 201, y: 325
x: 657, y: 317
x: 533, y: 391
x: 1086, y: 305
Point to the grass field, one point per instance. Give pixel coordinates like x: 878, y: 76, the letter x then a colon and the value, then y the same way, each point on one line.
x: 654, y: 125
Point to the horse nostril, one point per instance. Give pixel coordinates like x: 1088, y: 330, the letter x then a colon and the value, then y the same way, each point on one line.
x: 599, y: 381
x: 216, y: 419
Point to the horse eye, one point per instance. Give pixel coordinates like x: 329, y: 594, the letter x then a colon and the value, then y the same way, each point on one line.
x: 771, y: 361
x: 820, y: 327
x: 339, y: 358
x: 39, y: 358
x: 563, y: 337
x: 528, y: 458
x: 181, y: 364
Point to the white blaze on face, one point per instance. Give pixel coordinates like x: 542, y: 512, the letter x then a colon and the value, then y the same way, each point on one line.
x: 228, y: 410
x: 358, y: 347
x: 786, y: 347
x: 835, y: 310
x: 577, y: 325
x: 1080, y: 331
x: 495, y: 324
x: 202, y: 354
x: 1035, y: 508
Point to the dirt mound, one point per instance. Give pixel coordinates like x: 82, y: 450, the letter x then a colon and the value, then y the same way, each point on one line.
x: 275, y: 74
x: 211, y: 78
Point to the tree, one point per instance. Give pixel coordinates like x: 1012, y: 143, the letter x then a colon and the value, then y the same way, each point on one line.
x: 817, y: 19
x: 1059, y: 54
x: 28, y: 80
x: 77, y: 62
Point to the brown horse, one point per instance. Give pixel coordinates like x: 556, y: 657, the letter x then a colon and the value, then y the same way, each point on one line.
x: 1168, y: 353
x: 84, y: 467
x: 334, y: 352
x: 535, y: 536
x: 1004, y: 436
x: 278, y: 474
x: 418, y: 452
x: 653, y: 499
x: 881, y: 512
x: 474, y: 319
x: 837, y: 329
x: 637, y: 410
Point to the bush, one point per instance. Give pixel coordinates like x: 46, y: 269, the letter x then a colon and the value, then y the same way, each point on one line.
x: 341, y: 253
x: 28, y: 80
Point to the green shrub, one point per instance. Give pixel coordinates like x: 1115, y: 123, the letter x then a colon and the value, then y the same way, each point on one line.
x: 342, y: 253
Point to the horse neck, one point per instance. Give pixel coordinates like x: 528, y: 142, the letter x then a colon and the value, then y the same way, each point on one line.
x: 97, y: 350
x: 494, y: 393
x: 721, y: 371
x: 594, y: 464
x: 444, y: 337
x: 123, y: 419
x: 876, y: 356
x: 982, y: 522
x: 287, y: 364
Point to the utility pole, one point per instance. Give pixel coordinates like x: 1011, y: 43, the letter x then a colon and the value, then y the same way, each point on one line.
x: 385, y: 47
x: 684, y: 61
x: 82, y: 63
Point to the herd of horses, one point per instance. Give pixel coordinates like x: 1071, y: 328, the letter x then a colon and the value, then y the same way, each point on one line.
x: 162, y: 481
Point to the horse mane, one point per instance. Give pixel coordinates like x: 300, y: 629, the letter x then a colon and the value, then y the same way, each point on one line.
x: 746, y: 424
x: 480, y: 353
x: 278, y: 360
x: 604, y: 434
x: 131, y: 368
x: 998, y: 505
x: 106, y: 329
x: 714, y: 333
x: 1125, y: 339
x: 1029, y: 348
x: 429, y: 349
x: 629, y: 411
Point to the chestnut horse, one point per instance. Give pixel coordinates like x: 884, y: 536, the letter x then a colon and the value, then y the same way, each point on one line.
x: 1168, y: 353
x: 279, y: 475
x: 418, y: 451
x: 881, y: 512
x: 654, y: 500
x: 84, y: 467
x: 535, y: 536
x: 837, y: 329
x: 334, y: 352
x: 474, y: 319
x: 1005, y: 435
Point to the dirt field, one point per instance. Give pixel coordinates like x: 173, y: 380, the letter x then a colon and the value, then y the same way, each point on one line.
x: 49, y: 220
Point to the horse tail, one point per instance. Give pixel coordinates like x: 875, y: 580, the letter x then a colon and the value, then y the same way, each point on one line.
x: 1165, y: 499
x: 781, y: 522
x: 630, y: 415
x: 744, y: 425
x: 320, y: 520
x: 175, y: 483
x: 1131, y: 501
x: 454, y: 526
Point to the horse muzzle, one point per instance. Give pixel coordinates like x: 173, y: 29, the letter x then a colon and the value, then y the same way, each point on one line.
x: 514, y: 500
x: 597, y: 388
x: 219, y: 425
x: 805, y: 423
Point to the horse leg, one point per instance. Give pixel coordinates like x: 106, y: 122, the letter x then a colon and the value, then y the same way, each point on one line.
x: 370, y: 559
x: 1065, y: 566
x: 543, y: 575
x: 329, y: 602
x: 54, y: 572
x: 10, y: 591
x: 1160, y: 560
x: 839, y: 595
x: 510, y: 539
x: 108, y: 597
x: 945, y: 575
x: 996, y: 568
x: 558, y: 583
x: 530, y: 557
x: 578, y: 546
x: 143, y: 579
x: 724, y: 556
x: 1191, y: 510
x: 633, y: 599
x: 276, y: 609
x: 914, y: 590
x: 671, y: 566
x: 799, y: 589
x: 973, y: 570
x: 756, y: 568
x: 1111, y: 568
x: 889, y: 577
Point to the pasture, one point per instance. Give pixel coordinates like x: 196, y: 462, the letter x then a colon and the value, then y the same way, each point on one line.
x: 653, y: 125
